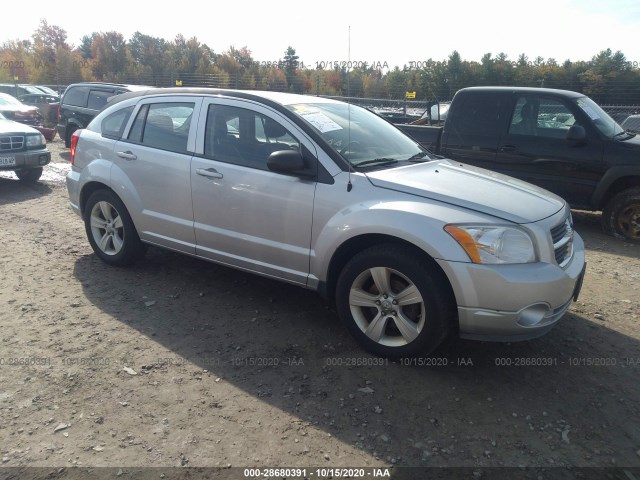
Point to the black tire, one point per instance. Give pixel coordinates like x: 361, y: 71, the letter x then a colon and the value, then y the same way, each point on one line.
x: 70, y: 132
x: 120, y: 245
x: 431, y: 313
x: 29, y: 175
x: 621, y: 216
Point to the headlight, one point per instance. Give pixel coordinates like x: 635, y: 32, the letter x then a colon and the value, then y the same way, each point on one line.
x: 36, y: 140
x: 493, y: 244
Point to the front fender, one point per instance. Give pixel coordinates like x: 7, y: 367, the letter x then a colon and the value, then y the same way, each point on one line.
x: 406, y: 217
x: 613, y: 175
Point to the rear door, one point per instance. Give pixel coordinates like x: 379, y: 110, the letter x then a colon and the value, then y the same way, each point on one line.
x: 472, y: 128
x: 244, y: 214
x: 152, y: 168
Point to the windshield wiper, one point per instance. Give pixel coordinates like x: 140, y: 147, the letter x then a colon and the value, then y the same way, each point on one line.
x: 624, y: 132
x: 377, y: 162
x: 421, y: 155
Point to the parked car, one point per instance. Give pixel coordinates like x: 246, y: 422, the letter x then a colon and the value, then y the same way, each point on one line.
x: 632, y: 124
x: 435, y: 114
x: 333, y: 198
x: 16, y: 90
x: 82, y: 101
x: 22, y: 149
x: 48, y: 106
x: 559, y: 140
x: 48, y: 90
x: 396, y: 116
x: 14, y: 109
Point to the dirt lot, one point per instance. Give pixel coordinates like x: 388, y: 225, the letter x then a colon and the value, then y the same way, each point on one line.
x: 178, y: 362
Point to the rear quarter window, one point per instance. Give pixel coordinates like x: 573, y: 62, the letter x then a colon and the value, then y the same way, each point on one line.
x: 76, y: 96
x: 113, y: 125
x: 479, y: 115
x: 98, y: 98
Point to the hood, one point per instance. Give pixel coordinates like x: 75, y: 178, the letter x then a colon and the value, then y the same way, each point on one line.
x: 472, y: 188
x: 17, y: 108
x: 10, y: 127
x: 632, y: 142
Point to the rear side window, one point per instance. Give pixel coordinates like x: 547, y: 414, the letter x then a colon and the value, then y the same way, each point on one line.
x: 479, y: 115
x: 76, y: 96
x: 163, y: 125
x: 113, y: 125
x: 98, y: 98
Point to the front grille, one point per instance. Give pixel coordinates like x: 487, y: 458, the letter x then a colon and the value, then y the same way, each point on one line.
x: 562, y: 236
x: 11, y: 143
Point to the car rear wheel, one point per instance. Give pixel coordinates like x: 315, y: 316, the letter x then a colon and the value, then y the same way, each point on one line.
x: 67, y: 140
x: 395, y: 302
x: 29, y: 175
x: 110, y: 229
x: 621, y: 216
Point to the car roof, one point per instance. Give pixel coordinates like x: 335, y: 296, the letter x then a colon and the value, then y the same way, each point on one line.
x: 108, y: 84
x: 548, y: 91
x: 280, y: 98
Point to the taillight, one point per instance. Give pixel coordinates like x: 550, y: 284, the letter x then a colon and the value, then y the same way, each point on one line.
x: 74, y: 144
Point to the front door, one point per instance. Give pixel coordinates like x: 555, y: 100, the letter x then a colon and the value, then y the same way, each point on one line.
x: 244, y: 214
x: 535, y: 149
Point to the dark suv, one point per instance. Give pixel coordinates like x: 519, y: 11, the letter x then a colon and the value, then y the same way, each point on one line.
x: 82, y: 101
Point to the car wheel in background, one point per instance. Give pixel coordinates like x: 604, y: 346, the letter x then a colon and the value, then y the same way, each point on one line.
x: 69, y: 134
x: 621, y: 216
x: 29, y: 175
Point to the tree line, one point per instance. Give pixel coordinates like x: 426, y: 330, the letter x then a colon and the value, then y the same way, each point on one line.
x: 47, y: 58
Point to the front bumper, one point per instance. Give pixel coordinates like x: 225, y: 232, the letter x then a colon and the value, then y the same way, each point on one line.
x: 514, y: 302
x: 26, y: 159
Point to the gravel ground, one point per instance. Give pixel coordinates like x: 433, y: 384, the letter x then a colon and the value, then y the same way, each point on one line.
x: 177, y: 362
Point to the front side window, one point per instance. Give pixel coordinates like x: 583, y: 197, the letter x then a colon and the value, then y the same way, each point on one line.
x: 98, y: 99
x: 163, y: 125
x: 540, y: 116
x: 244, y: 137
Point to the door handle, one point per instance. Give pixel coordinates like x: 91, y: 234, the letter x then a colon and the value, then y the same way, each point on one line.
x: 508, y: 148
x: 127, y: 155
x: 209, y: 172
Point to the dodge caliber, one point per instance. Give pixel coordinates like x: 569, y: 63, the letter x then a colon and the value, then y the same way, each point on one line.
x: 411, y: 247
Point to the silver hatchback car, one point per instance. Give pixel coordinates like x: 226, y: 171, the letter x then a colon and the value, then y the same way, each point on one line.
x: 331, y: 197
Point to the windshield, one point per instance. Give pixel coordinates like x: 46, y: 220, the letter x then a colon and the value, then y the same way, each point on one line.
x: 359, y: 136
x: 607, y: 125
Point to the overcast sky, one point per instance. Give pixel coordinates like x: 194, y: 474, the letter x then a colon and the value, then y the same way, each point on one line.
x: 404, y: 32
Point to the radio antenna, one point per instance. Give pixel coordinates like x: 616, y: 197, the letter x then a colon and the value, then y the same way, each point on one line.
x: 349, y: 184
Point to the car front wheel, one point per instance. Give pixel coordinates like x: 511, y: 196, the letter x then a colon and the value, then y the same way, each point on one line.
x: 395, y: 302
x: 621, y: 216
x: 110, y: 229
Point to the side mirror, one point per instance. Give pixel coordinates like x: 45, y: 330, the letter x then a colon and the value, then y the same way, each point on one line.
x: 577, y: 135
x: 288, y: 162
